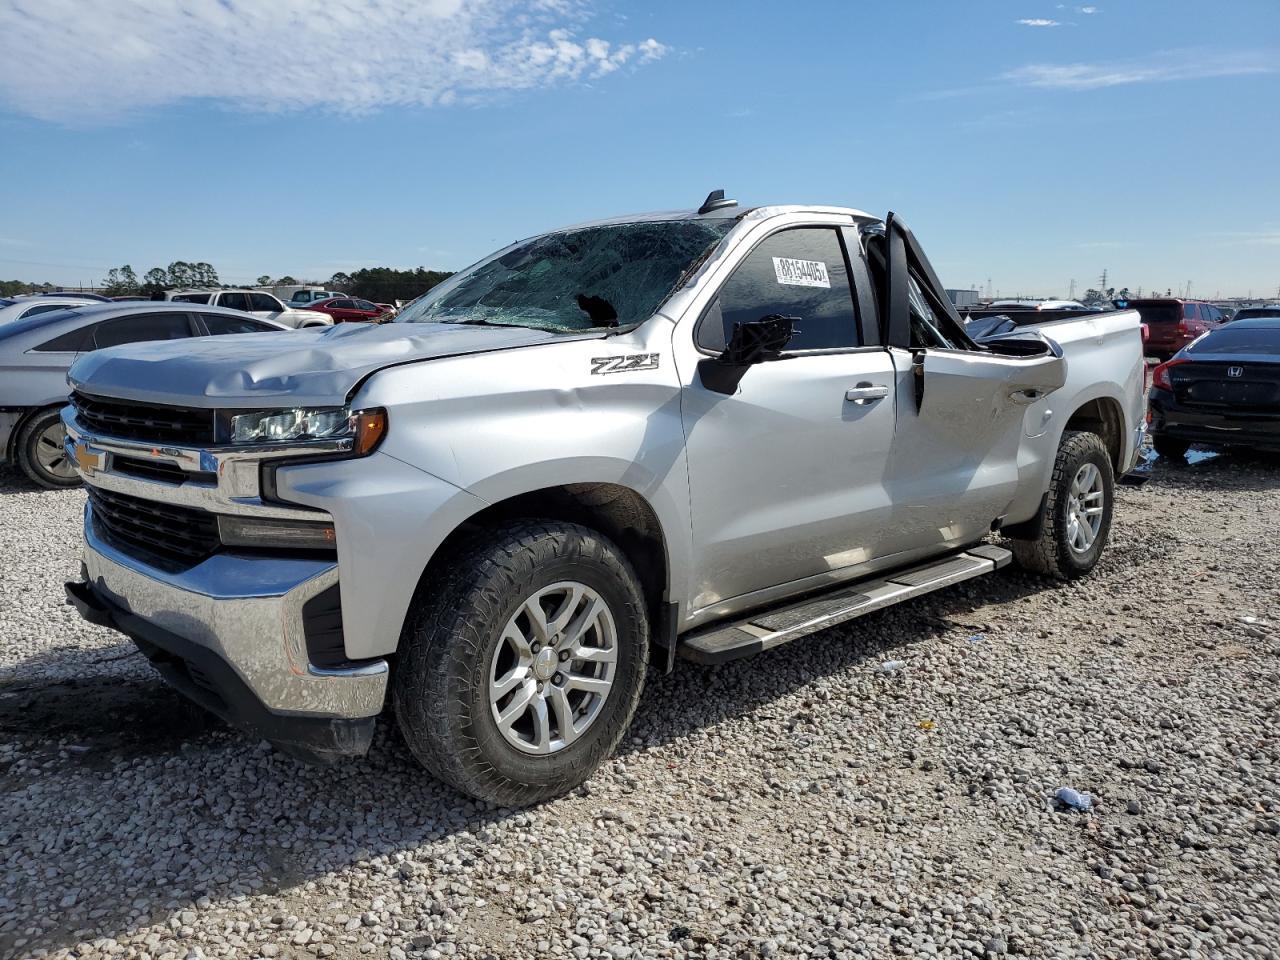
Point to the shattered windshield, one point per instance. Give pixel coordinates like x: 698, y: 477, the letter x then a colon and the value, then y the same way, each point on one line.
x: 595, y: 277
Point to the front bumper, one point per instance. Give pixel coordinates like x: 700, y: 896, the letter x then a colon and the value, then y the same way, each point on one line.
x: 230, y: 635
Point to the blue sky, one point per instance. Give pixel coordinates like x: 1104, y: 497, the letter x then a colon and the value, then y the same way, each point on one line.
x: 305, y: 137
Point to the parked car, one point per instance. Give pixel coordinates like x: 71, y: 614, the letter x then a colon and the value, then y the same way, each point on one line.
x: 37, y: 351
x: 1174, y: 323
x: 12, y: 308
x: 575, y: 455
x: 348, y: 309
x: 256, y: 302
x: 1222, y: 390
x: 304, y: 298
x: 1255, y: 313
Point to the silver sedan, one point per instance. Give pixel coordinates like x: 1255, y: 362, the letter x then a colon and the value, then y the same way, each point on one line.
x: 36, y: 352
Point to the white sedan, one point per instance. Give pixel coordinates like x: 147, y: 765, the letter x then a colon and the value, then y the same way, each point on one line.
x: 15, y: 308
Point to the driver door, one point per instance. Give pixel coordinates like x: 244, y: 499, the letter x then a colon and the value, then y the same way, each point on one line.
x: 961, y: 409
x: 786, y: 469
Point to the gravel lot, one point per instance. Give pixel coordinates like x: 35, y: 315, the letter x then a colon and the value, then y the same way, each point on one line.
x: 802, y: 803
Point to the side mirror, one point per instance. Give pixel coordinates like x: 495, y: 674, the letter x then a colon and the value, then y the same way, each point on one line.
x: 752, y: 342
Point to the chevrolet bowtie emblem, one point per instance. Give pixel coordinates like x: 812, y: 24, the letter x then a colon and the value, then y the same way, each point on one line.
x: 87, y: 459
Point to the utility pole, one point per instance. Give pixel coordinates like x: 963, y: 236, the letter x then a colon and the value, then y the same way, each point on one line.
x: 1102, y: 288
x: 1071, y: 292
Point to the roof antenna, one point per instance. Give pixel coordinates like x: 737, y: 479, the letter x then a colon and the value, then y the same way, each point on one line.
x: 716, y: 201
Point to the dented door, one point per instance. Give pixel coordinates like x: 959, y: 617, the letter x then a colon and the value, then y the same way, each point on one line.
x: 954, y: 465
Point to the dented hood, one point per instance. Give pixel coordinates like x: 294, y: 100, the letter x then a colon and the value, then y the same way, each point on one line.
x: 314, y: 367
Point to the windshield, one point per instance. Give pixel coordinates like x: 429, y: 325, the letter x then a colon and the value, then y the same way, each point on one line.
x: 1264, y: 339
x: 596, y: 277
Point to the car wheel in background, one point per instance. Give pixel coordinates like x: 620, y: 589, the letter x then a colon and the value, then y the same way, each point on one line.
x: 522, y: 662
x: 1170, y: 448
x: 1077, y: 515
x: 41, y: 453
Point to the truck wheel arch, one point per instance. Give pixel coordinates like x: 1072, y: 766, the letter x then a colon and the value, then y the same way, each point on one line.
x: 1103, y: 416
x: 614, y: 510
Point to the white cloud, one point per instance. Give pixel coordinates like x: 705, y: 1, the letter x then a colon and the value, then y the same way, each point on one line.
x: 1086, y: 10
x: 1038, y: 22
x: 68, y: 60
x: 1093, y: 76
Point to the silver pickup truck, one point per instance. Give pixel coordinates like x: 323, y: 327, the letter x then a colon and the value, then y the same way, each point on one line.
x: 697, y: 434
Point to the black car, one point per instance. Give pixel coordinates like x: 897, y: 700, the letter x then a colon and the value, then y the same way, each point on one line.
x: 1256, y: 313
x: 1222, y: 390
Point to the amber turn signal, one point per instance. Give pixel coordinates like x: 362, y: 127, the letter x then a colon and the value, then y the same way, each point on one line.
x: 370, y: 428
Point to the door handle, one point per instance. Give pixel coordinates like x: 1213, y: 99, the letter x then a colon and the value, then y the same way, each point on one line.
x: 1025, y: 397
x: 865, y: 393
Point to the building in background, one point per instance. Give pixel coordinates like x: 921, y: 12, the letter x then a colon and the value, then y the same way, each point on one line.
x: 963, y: 298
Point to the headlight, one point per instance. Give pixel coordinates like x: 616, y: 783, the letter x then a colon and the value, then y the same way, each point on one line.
x: 365, y: 428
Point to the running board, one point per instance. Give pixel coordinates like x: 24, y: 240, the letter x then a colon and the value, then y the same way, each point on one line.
x: 765, y: 629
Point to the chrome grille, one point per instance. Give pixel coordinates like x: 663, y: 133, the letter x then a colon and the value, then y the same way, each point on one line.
x: 151, y: 423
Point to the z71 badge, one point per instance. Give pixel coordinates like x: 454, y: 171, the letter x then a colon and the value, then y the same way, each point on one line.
x: 624, y: 364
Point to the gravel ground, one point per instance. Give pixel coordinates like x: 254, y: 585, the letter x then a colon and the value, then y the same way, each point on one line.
x: 806, y: 802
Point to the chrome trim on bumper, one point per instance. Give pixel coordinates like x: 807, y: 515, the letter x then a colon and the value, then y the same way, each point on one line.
x: 249, y: 613
x: 237, y: 489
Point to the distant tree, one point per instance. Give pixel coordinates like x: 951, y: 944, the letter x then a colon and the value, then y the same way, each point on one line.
x: 384, y: 284
x: 120, y: 281
x: 286, y: 281
x: 179, y: 274
x: 1124, y: 294
x: 203, y: 275
x: 9, y: 287
x: 264, y: 280
x: 155, y: 281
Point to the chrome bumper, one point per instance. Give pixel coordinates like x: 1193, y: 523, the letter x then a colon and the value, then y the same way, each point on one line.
x: 247, y: 611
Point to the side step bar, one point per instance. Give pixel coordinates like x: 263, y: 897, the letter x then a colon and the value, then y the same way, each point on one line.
x: 765, y: 629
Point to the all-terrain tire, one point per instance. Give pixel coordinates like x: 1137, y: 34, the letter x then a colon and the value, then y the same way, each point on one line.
x: 1051, y: 552
x: 31, y: 438
x: 442, y: 684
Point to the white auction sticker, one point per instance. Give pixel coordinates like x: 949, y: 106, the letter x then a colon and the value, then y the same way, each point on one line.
x: 801, y: 273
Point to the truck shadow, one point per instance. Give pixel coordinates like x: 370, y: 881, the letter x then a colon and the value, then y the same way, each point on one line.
x: 204, y: 812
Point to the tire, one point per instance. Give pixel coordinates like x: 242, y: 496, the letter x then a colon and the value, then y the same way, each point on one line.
x: 40, y: 454
x: 1060, y: 549
x: 1170, y: 448
x: 465, y: 634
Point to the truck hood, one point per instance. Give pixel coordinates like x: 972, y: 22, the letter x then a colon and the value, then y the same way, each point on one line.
x: 313, y: 367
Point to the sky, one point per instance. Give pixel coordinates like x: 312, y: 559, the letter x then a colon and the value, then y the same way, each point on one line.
x: 1028, y: 143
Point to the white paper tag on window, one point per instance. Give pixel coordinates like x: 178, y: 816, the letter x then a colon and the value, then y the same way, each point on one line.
x: 801, y: 273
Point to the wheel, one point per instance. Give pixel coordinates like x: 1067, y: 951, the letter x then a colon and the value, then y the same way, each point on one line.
x: 521, y: 666
x: 41, y: 454
x: 1170, y: 448
x: 1077, y: 514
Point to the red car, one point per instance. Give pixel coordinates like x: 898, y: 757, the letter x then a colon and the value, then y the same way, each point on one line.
x: 1173, y: 323
x: 344, y: 309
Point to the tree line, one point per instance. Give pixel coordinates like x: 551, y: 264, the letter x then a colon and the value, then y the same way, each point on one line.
x: 380, y: 284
